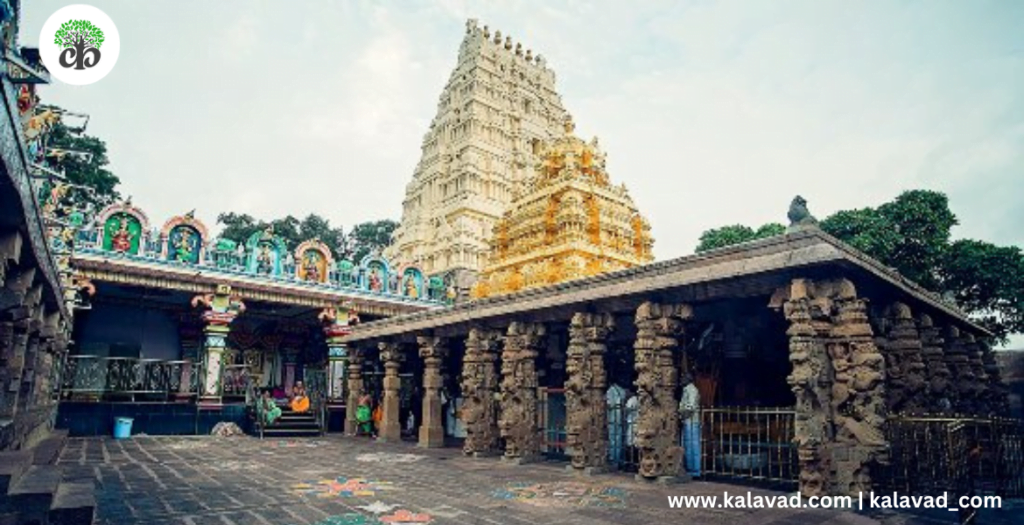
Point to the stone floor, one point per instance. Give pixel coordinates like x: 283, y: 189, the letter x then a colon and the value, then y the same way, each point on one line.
x: 344, y: 481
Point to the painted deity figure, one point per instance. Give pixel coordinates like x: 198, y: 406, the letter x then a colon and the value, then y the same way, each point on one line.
x: 122, y: 240
x: 264, y: 261
x: 375, y: 281
x: 410, y: 287
x: 183, y: 246
x: 312, y: 266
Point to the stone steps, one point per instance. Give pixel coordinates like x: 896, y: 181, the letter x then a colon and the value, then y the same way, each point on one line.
x: 32, y: 490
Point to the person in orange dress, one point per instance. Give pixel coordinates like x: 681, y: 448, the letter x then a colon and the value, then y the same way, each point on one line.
x: 300, y: 401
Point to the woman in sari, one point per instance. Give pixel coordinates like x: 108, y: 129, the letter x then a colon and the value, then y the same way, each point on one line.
x: 300, y: 402
x: 269, y: 408
x: 364, y: 415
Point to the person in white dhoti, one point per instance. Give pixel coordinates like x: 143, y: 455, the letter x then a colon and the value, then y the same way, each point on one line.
x: 615, y: 398
x: 689, y: 414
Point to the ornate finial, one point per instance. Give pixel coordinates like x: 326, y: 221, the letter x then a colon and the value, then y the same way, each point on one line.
x: 508, y: 43
x: 487, y: 32
x: 191, y: 214
x: 519, y: 49
x: 529, y: 55
x: 799, y: 216
x: 497, y: 36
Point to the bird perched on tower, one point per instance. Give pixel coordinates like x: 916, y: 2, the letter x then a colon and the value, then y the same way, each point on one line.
x: 799, y: 215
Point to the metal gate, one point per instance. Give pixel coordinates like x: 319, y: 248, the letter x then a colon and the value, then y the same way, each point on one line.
x: 753, y: 444
x: 551, y: 420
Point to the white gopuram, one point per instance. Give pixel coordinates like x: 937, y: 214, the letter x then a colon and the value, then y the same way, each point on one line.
x: 498, y: 107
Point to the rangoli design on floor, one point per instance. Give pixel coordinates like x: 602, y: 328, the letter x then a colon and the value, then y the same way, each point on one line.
x: 186, y: 444
x: 341, y: 487
x: 563, y: 494
x: 385, y: 457
x: 400, y: 517
x: 232, y: 465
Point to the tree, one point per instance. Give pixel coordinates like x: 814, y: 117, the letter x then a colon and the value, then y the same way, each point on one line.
x: 78, y: 34
x: 85, y: 170
x: 735, y: 234
x: 912, y: 234
x: 368, y: 237
x: 364, y: 238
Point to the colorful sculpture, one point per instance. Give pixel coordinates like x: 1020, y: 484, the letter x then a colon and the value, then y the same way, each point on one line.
x: 266, y: 253
x: 314, y: 260
x: 412, y: 282
x: 121, y: 227
x: 376, y: 271
x: 185, y: 238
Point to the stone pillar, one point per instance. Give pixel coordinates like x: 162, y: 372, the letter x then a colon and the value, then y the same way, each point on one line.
x: 585, y: 405
x: 659, y: 327
x: 979, y: 387
x: 479, y: 388
x: 390, y: 426
x: 997, y: 394
x: 905, y: 371
x: 937, y: 372
x: 355, y: 389
x: 960, y: 367
x: 220, y: 309
x: 433, y: 351
x: 858, y: 394
x: 291, y: 358
x: 518, y: 420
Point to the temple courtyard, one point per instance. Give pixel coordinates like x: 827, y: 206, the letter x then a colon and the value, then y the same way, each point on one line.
x: 346, y: 481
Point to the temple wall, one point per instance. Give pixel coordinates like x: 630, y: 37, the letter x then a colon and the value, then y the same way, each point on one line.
x: 128, y: 331
x: 1011, y: 366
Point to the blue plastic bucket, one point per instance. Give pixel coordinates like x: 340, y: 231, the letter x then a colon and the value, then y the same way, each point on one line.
x: 122, y: 427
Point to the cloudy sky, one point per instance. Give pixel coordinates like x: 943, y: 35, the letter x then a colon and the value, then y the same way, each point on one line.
x: 711, y: 112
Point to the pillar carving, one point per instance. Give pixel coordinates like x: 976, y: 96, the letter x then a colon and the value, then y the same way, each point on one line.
x: 479, y: 388
x: 659, y: 327
x: 518, y: 419
x: 390, y: 426
x: 356, y: 356
x: 962, y: 375
x: 585, y: 406
x: 433, y: 350
x: 938, y: 373
x: 997, y: 394
x: 905, y: 371
x: 858, y: 394
x: 838, y: 379
x: 219, y: 310
x: 979, y: 385
x: 337, y: 323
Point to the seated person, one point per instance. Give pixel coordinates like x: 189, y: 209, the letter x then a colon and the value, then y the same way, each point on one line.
x: 364, y: 414
x: 299, y: 402
x: 269, y: 408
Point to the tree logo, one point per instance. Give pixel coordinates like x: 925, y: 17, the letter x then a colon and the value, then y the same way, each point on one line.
x: 79, y: 44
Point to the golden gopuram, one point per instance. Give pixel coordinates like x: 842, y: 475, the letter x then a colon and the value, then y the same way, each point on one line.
x: 569, y: 222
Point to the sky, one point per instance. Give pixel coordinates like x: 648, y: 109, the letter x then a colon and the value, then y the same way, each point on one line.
x: 712, y: 113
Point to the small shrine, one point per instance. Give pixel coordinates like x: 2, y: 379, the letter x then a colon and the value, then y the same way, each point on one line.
x: 567, y: 223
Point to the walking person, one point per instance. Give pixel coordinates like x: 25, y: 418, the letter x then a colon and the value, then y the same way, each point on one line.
x: 689, y: 414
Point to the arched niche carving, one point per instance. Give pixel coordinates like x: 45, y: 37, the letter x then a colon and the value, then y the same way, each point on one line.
x: 184, y: 238
x: 313, y: 261
x: 122, y: 228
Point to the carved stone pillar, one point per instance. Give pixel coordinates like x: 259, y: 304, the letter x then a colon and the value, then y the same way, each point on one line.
x: 979, y: 386
x: 659, y: 327
x: 433, y: 351
x: 390, y: 426
x: 355, y: 389
x: 905, y: 371
x: 518, y: 420
x: 220, y: 309
x: 479, y: 388
x: 962, y: 376
x: 935, y: 366
x: 858, y: 394
x: 997, y: 394
x: 586, y: 425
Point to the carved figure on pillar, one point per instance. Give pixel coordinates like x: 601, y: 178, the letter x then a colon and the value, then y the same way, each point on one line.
x: 905, y: 370
x: 659, y: 327
x: 997, y: 395
x: 586, y: 412
x: 337, y: 323
x: 433, y: 351
x: 935, y: 366
x: 979, y: 386
x: 518, y: 420
x: 960, y: 366
x: 355, y: 389
x: 479, y: 387
x: 390, y: 426
x: 221, y: 308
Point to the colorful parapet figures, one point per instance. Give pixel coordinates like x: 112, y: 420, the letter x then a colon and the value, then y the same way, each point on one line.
x: 185, y: 238
x: 121, y: 228
x: 412, y: 282
x: 266, y: 253
x: 376, y: 274
x: 313, y: 261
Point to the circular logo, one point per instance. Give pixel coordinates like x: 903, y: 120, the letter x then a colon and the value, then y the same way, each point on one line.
x: 79, y: 44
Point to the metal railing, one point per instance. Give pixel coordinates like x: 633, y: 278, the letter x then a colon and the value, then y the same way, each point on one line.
x: 551, y: 419
x: 753, y: 444
x: 930, y: 455
x: 90, y: 377
x: 235, y: 381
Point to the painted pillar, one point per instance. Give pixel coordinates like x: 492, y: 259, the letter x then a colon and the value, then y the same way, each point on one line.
x: 479, y: 391
x: 585, y: 406
x: 337, y: 323
x: 518, y: 420
x: 355, y: 389
x: 659, y: 327
x: 191, y: 337
x: 220, y: 309
x: 905, y: 371
x: 938, y: 373
x: 390, y: 426
x: 433, y: 350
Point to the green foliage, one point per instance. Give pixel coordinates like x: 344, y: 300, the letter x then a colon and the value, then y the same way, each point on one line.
x: 912, y: 234
x: 78, y: 32
x: 735, y: 234
x: 364, y: 238
x: 86, y: 171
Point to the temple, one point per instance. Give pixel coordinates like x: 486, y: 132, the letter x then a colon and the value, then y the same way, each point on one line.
x: 568, y: 222
x: 498, y: 106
